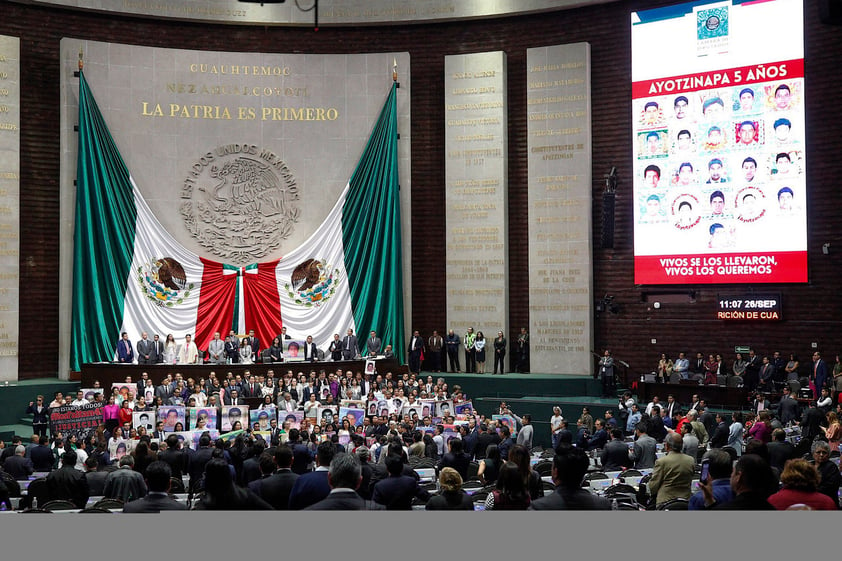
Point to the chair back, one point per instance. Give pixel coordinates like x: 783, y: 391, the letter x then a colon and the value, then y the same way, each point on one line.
x: 674, y: 504
x: 59, y: 504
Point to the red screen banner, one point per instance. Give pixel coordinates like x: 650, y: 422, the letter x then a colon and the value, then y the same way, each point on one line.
x: 765, y: 267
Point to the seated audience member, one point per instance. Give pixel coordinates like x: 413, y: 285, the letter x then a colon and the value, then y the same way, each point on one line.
x: 800, y: 483
x: 719, y: 475
x: 672, y: 475
x: 751, y: 479
x: 569, y: 467
x: 125, y: 483
x: 344, y: 477
x: 17, y: 465
x: 451, y: 496
x: 615, y: 454
x: 220, y: 493
x: 511, y: 492
x: 68, y: 483
x: 95, y: 476
x: 489, y: 467
x: 831, y: 479
x: 158, y: 479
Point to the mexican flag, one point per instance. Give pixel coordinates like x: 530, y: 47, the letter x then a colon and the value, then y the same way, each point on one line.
x: 130, y: 274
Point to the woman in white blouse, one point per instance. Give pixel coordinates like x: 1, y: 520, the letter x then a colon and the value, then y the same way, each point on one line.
x: 245, y: 352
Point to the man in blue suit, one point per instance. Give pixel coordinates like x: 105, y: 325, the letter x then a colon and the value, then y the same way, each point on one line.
x: 312, y: 487
x: 125, y: 352
x: 397, y: 491
x: 819, y: 373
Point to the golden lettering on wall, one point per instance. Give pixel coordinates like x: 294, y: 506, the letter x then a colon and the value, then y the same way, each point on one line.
x: 254, y: 91
x: 221, y: 112
x: 240, y: 69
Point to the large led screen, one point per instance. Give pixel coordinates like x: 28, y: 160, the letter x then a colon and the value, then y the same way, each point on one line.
x: 719, y: 143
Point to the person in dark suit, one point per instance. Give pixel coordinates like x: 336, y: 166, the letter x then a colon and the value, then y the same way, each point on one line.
x: 600, y: 436
x: 312, y: 487
x: 275, y: 489
x: 252, y: 469
x: 819, y: 374
x: 752, y: 371
x: 615, y: 453
x: 720, y: 433
x: 344, y: 477
x: 17, y: 465
x: 125, y: 352
x: 254, y: 343
x: 455, y: 459
x: 397, y: 491
x: 251, y: 388
x: 40, y: 415
x: 175, y: 457
x: 196, y: 463
x: 157, y: 353
x: 335, y: 348
x: 569, y: 467
x: 350, y: 349
x: 95, y: 476
x: 301, y: 456
x: 780, y: 450
x: 266, y: 463
x: 373, y: 344
x: 416, y: 347
x: 311, y: 352
x: 232, y: 397
x: 144, y: 350
x: 125, y: 483
x: 367, y: 471
x: 789, y: 410
x: 158, y: 481
x: 68, y: 483
x: 41, y: 455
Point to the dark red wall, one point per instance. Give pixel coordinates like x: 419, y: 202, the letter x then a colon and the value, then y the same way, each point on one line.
x: 810, y: 310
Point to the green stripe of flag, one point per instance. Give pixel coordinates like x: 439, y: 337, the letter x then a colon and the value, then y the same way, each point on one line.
x: 103, y: 241
x: 371, y: 233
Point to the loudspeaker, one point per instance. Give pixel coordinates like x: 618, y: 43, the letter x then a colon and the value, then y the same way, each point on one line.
x: 830, y: 12
x: 608, y: 219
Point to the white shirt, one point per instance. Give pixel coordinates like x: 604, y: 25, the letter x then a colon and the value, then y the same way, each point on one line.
x: 79, y: 402
x: 439, y: 440
x: 555, y: 422
x: 81, y: 456
x: 189, y: 354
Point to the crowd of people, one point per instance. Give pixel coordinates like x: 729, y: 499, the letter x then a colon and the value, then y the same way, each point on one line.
x: 746, y: 452
x: 750, y: 458
x: 474, y: 348
x: 439, y: 438
x: 766, y: 373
